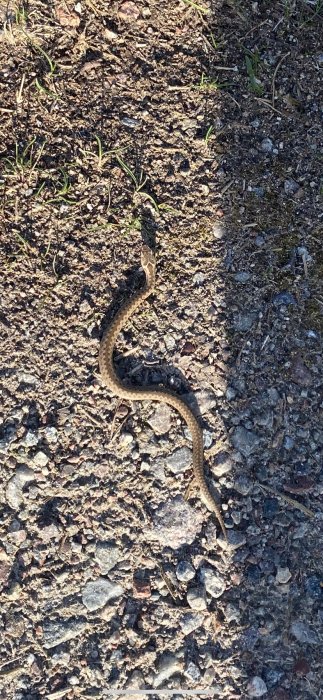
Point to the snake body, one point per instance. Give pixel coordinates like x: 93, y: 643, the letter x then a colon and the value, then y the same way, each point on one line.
x: 112, y: 381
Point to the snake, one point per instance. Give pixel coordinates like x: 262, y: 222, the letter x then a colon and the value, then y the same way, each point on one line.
x: 149, y: 393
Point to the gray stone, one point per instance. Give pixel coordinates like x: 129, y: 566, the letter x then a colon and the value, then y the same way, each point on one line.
x: 167, y: 666
x: 190, y: 622
x: 245, y: 441
x: 213, y: 581
x: 107, y: 554
x: 40, y: 459
x: 222, y: 463
x: 97, y: 593
x: 31, y: 439
x: 284, y: 298
x: 243, y: 484
x: 160, y: 420
x: 242, y: 277
x: 283, y: 575
x: 232, y: 614
x: 62, y: 631
x: 257, y: 687
x: 303, y: 633
x: 196, y: 598
x: 51, y: 434
x: 291, y: 186
x: 180, y: 460
x: 14, y: 488
x: 300, y: 374
x: 175, y: 523
x: 185, y: 571
x: 243, y: 322
x: 192, y: 672
x: 267, y: 145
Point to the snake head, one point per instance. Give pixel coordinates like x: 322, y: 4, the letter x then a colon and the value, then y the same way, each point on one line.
x: 148, y: 263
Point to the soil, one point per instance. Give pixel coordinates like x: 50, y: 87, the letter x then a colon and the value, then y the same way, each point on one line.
x: 195, y: 128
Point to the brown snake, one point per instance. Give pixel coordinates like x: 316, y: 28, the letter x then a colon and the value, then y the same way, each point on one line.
x: 150, y: 393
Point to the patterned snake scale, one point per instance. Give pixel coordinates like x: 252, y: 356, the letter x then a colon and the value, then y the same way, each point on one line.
x: 150, y: 393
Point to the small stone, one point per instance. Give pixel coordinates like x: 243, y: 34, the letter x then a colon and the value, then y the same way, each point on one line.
x: 196, y: 598
x: 185, y: 571
x: 131, y: 122
x: 97, y: 593
x: 291, y: 186
x: 141, y: 585
x: 300, y: 374
x: 128, y: 11
x: 180, y: 460
x: 51, y: 434
x: 253, y: 573
x: 242, y: 277
x: 175, y: 523
x: 24, y: 474
x: 243, y: 322
x: 230, y: 393
x: 192, y: 672
x: 267, y: 145
x: 160, y: 420
x: 59, y: 632
x: 213, y: 581
x: 283, y: 575
x: 107, y: 554
x: 303, y: 633
x: 190, y: 622
x: 222, y: 463
x: 167, y: 666
x: 243, y: 484
x: 245, y: 441
x: 31, y: 439
x: 273, y: 676
x: 28, y: 378
x: 218, y: 231
x: 236, y: 540
x: 40, y: 459
x: 232, y: 614
x: 259, y: 241
x: 284, y: 298
x: 257, y: 687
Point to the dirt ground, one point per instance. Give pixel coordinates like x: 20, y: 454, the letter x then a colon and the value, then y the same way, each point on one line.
x: 195, y: 127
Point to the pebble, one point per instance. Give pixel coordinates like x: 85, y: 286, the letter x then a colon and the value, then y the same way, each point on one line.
x: 167, y: 666
x: 236, y: 539
x: 291, y: 186
x: 131, y: 122
x: 31, y: 439
x: 243, y: 322
x: 58, y: 632
x: 196, y: 598
x: 259, y: 241
x: 213, y: 581
x: 257, y: 687
x: 222, y: 463
x: 192, y: 672
x: 284, y: 298
x: 14, y: 492
x: 40, y: 459
x: 160, y: 420
x: 243, y: 484
x: 300, y: 374
x: 230, y: 393
x: 303, y: 633
x: 283, y: 575
x: 190, y: 622
x: 232, y: 614
x: 180, y: 460
x: 51, y: 434
x: 97, y: 593
x: 267, y: 145
x: 245, y: 441
x: 242, y: 277
x: 28, y: 378
x: 218, y: 231
x: 107, y: 554
x: 206, y: 400
x: 128, y: 11
x: 185, y: 571
x: 175, y: 523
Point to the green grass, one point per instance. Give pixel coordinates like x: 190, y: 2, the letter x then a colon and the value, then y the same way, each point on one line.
x: 252, y: 60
